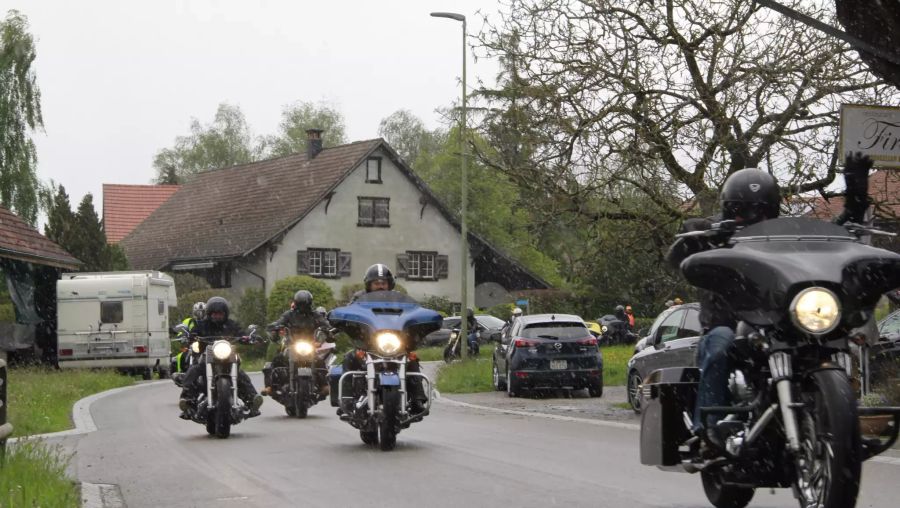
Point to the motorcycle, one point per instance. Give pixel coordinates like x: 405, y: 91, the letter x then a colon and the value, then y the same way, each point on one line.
x: 386, y: 325
x: 802, y: 289
x: 218, y: 406
x: 192, y: 355
x: 298, y: 385
x: 614, y: 331
x: 451, y: 350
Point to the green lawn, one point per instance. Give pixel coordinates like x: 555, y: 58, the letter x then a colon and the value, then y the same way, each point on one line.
x: 34, y: 474
x: 615, y: 364
x: 436, y: 353
x: 41, y: 399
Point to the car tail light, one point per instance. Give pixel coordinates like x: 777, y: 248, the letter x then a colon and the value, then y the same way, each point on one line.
x: 590, y: 341
x: 140, y: 349
x: 521, y: 374
x: 526, y: 343
x: 65, y: 352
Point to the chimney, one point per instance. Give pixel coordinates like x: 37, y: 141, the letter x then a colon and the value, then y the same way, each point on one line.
x: 313, y: 143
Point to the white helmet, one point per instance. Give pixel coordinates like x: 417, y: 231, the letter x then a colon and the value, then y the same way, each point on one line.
x: 517, y: 312
x: 199, y: 311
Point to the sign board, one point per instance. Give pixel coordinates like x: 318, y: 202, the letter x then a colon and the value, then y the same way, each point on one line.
x: 522, y: 302
x: 872, y: 130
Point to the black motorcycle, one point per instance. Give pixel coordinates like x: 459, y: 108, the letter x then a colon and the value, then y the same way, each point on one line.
x: 300, y: 384
x: 452, y: 351
x: 803, y: 289
x: 614, y: 331
x: 218, y: 406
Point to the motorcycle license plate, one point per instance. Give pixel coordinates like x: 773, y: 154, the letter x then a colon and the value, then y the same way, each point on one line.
x: 304, y: 371
x: 558, y: 365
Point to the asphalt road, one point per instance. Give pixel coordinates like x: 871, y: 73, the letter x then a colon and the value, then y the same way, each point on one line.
x: 458, y: 457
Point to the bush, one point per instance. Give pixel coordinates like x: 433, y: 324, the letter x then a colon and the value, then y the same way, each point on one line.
x: 502, y: 311
x: 441, y: 304
x: 347, y: 292
x: 188, y: 283
x: 283, y: 292
x: 7, y: 313
x: 251, y: 309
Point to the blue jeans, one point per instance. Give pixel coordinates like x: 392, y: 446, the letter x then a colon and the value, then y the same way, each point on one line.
x: 714, y: 368
x: 473, y: 339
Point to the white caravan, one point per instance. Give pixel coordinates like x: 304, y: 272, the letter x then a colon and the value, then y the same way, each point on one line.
x: 115, y: 319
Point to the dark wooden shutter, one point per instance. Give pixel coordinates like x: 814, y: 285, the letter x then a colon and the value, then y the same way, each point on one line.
x: 302, y: 262
x: 344, y: 264
x: 440, y: 266
x: 402, y: 260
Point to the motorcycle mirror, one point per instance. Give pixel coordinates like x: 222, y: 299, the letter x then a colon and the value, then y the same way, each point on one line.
x: 181, y: 328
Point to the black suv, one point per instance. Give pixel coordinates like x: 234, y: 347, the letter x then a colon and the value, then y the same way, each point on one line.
x: 548, y: 351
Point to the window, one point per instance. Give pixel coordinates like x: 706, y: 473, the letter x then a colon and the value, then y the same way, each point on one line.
x: 160, y: 307
x: 668, y: 329
x: 374, y: 212
x: 323, y: 263
x: 555, y: 331
x: 373, y: 170
x: 891, y: 325
x: 691, y: 326
x: 111, y: 312
x: 420, y: 265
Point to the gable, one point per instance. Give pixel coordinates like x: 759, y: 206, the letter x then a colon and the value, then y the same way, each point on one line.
x: 126, y: 206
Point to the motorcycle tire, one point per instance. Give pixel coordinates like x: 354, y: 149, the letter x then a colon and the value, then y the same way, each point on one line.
x: 448, y: 355
x: 211, y: 425
x: 301, y: 396
x: 390, y: 422
x: 829, y: 441
x: 223, y: 408
x: 724, y: 496
x: 369, y: 437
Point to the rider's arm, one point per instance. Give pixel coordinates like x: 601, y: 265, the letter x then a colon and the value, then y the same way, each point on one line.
x: 856, y: 197
x: 684, y: 247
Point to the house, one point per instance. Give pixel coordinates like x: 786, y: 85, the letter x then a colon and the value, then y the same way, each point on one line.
x: 328, y: 213
x: 126, y: 206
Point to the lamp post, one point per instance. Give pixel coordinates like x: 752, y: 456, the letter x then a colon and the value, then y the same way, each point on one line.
x: 464, y: 254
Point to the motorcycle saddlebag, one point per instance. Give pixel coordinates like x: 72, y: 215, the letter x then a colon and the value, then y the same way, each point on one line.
x: 334, y: 377
x: 666, y: 394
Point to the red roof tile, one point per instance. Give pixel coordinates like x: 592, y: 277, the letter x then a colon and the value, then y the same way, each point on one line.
x: 126, y: 206
x: 18, y: 240
x: 884, y: 188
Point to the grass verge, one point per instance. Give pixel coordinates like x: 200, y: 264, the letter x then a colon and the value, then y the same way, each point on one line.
x: 34, y: 474
x: 615, y: 364
x: 41, y: 399
x: 470, y: 376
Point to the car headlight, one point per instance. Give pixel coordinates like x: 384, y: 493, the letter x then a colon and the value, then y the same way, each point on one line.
x: 303, y: 348
x: 222, y: 349
x: 388, y: 343
x: 604, y: 329
x: 816, y: 310
x: 195, y: 347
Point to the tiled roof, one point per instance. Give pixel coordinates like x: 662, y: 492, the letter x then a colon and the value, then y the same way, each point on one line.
x: 230, y: 212
x: 884, y: 189
x: 18, y: 240
x: 126, y: 206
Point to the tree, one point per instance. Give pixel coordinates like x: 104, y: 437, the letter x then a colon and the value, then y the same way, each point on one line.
x: 407, y: 134
x: 60, y: 218
x: 296, y: 119
x: 81, y: 234
x: 227, y: 141
x: 20, y: 114
x: 601, y: 102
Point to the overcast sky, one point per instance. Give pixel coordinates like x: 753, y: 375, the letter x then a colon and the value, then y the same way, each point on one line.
x: 121, y: 79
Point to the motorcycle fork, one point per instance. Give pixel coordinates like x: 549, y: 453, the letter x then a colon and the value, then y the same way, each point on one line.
x: 782, y: 372
x: 234, y: 385
x: 210, y: 401
x: 404, y: 395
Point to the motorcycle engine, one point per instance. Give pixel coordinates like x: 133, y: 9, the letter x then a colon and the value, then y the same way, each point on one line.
x: 740, y: 390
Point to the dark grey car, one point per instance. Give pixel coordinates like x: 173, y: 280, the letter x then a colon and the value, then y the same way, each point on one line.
x: 671, y: 342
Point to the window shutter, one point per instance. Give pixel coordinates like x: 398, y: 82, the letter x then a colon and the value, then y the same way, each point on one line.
x: 302, y: 262
x: 440, y: 266
x: 402, y: 260
x: 344, y: 264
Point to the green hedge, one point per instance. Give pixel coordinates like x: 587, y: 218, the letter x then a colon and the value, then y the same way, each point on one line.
x: 283, y: 292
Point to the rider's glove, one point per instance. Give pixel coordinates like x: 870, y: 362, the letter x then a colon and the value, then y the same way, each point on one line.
x: 856, y: 177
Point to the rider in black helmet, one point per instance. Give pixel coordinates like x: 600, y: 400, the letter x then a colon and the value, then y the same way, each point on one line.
x: 301, y: 321
x: 216, y: 324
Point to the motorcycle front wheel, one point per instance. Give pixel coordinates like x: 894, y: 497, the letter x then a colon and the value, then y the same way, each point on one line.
x: 387, y: 427
x: 448, y: 354
x: 301, y: 395
x: 828, y: 465
x: 222, y: 417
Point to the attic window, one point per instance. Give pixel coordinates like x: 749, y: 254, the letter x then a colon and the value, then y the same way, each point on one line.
x: 373, y: 170
x: 374, y: 212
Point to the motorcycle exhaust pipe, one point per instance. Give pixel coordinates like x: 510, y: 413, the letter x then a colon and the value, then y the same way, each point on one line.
x: 782, y: 371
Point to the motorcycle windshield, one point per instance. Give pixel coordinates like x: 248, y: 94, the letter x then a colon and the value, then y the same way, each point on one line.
x: 385, y: 310
x: 769, y: 262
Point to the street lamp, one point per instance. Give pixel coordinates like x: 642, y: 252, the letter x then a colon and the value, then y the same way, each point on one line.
x: 464, y: 254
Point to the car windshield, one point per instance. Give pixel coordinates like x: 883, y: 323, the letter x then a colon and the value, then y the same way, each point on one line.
x: 554, y: 331
x: 490, y: 321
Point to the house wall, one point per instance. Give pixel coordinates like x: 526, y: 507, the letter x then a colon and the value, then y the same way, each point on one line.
x: 338, y: 229
x: 242, y: 274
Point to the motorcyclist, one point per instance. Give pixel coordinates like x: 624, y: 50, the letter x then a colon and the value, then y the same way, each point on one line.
x: 472, y: 327
x: 321, y: 312
x: 629, y: 312
x: 301, y: 321
x: 217, y: 324
x: 378, y: 277
x: 748, y: 196
x: 198, y: 312
x: 619, y: 312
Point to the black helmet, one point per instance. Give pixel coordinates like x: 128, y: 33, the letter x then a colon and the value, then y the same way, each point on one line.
x: 303, y: 301
x: 379, y: 271
x: 750, y: 194
x: 217, y: 304
x: 619, y: 309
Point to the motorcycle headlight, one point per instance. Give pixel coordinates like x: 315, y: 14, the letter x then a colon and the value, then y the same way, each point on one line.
x: 303, y: 348
x: 388, y: 343
x: 195, y: 347
x: 604, y: 328
x: 816, y: 310
x: 222, y: 349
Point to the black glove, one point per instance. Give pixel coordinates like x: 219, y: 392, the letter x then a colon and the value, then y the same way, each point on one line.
x: 856, y: 178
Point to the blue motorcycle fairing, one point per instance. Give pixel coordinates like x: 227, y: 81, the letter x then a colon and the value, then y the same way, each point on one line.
x: 389, y: 379
x: 383, y: 311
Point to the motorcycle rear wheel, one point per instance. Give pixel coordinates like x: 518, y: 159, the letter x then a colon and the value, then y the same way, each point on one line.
x: 387, y: 427
x: 829, y: 466
x: 222, y: 417
x: 724, y: 496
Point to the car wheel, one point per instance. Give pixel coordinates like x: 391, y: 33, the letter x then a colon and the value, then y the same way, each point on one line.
x: 499, y: 385
x: 512, y: 385
x: 634, y: 395
x: 596, y: 390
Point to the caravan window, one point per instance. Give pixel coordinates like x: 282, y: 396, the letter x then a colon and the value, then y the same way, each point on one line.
x: 160, y: 307
x: 111, y: 312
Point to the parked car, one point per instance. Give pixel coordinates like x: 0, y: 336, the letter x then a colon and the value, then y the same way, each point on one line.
x: 548, y: 351
x: 490, y: 327
x: 887, y: 350
x: 671, y: 342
